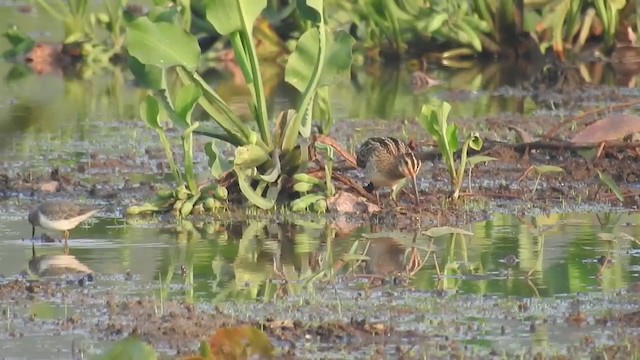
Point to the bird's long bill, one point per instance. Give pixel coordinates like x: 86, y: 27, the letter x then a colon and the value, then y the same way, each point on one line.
x: 33, y: 232
x: 415, y: 188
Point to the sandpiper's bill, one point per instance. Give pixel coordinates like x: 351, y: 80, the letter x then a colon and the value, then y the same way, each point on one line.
x: 59, y: 215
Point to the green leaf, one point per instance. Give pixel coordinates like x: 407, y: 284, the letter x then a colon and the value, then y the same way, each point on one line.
x: 159, y: 14
x: 445, y: 230
x: 607, y: 180
x: 129, y: 349
x: 162, y: 44
x: 249, y: 156
x: 274, y: 171
x: 255, y: 197
x: 476, y: 141
x: 217, y: 163
x: 474, y: 160
x: 147, y: 76
x: 186, y: 99
x: 150, y: 111
x: 302, y: 187
x: 303, y: 203
x: 337, y: 59
x: 547, y: 169
x: 228, y: 16
x: 434, y: 23
x: 310, y: 10
x: 20, y: 43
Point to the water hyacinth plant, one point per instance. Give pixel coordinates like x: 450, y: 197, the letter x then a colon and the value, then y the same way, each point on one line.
x: 159, y: 47
x: 434, y: 120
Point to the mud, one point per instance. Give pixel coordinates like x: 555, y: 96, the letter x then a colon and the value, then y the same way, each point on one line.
x: 386, y: 322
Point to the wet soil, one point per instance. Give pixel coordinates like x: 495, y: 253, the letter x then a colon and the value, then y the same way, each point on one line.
x: 117, y: 181
x: 362, y: 323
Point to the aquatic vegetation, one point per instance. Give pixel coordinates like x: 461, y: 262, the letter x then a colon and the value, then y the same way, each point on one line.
x: 608, y: 181
x: 434, y: 120
x: 129, y: 348
x: 541, y: 170
x: 262, y: 156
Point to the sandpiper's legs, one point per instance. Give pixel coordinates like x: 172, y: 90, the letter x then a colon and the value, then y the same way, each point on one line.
x: 66, y: 246
x: 33, y: 232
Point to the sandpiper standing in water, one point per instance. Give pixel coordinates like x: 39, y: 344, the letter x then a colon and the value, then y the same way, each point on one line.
x: 59, y: 215
x: 386, y: 162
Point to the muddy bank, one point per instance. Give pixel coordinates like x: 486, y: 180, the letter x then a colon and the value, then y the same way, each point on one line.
x: 389, y: 321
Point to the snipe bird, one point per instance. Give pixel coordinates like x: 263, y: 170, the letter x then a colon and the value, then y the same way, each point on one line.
x: 386, y: 162
x: 59, y: 215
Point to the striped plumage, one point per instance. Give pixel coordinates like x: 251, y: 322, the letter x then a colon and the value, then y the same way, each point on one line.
x: 387, y: 161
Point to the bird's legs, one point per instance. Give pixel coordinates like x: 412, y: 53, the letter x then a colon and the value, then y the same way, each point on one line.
x: 66, y: 246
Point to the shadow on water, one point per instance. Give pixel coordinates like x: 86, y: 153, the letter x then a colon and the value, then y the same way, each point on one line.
x: 260, y: 260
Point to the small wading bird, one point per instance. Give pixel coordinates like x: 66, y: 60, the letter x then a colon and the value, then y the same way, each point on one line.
x: 60, y: 216
x: 386, y: 162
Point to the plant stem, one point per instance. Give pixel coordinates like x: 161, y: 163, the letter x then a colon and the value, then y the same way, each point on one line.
x: 187, y: 144
x: 167, y: 150
x: 259, y: 99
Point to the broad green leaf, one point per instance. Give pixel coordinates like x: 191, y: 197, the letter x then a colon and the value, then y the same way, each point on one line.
x: 217, y: 163
x: 150, y: 111
x: 249, y: 156
x: 311, y: 10
x: 337, y: 60
x: 162, y: 44
x: 473, y: 160
x: 445, y: 230
x: 129, y: 349
x: 607, y: 180
x: 147, y: 76
x: 186, y: 99
x: 228, y: 16
x: 547, y: 169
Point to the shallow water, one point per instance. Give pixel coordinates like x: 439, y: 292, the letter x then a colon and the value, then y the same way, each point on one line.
x: 224, y: 265
x: 476, y: 264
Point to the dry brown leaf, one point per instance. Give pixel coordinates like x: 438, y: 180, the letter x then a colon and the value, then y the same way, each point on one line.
x: 612, y: 127
x: 344, y: 202
x: 240, y: 343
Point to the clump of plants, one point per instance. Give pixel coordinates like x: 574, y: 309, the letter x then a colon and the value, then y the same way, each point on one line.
x: 434, y: 120
x: 267, y: 152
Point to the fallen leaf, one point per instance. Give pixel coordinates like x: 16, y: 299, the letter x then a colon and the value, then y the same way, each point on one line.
x: 612, y: 127
x: 344, y: 202
x: 239, y: 343
x: 49, y: 186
